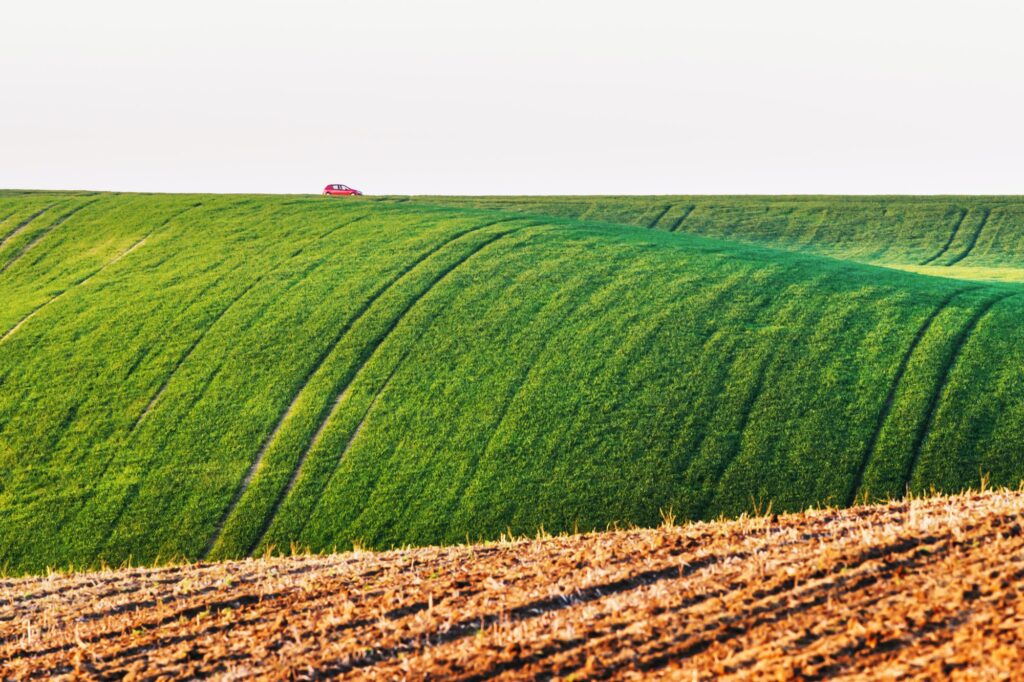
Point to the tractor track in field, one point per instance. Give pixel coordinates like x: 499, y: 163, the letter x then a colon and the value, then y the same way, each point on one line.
x: 23, y: 224
x: 188, y: 353
x: 249, y: 323
x: 933, y: 403
x: 745, y: 414
x: 533, y: 363
x: 109, y: 459
x: 812, y: 234
x: 202, y: 293
x: 336, y: 404
x: 85, y: 280
x: 139, y: 244
x: 224, y: 311
x: 206, y: 382
x: 658, y: 217
x: 952, y: 236
x: 251, y: 472
x: 890, y: 398
x: 26, y: 318
x: 703, y: 423
x: 293, y: 479
x: 45, y: 232
x: 682, y: 219
x: 986, y: 214
x: 917, y: 588
x: 322, y: 358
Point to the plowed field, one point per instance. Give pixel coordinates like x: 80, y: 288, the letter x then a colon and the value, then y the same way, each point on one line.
x: 919, y: 588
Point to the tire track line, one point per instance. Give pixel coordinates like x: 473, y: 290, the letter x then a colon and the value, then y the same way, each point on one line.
x: 188, y: 353
x: 441, y: 277
x: 659, y: 216
x: 221, y: 314
x: 553, y: 335
x: 812, y: 234
x: 952, y: 236
x: 207, y: 382
x: 6, y: 217
x: 134, y: 488
x: 588, y: 211
x: 682, y: 219
x: 974, y: 238
x: 748, y: 410
x: 10, y: 332
x: 933, y: 403
x: 362, y: 420
x: 265, y: 528
x: 202, y: 293
x: 137, y: 245
x: 994, y: 240
x: 890, y: 398
x: 106, y: 465
x: 23, y: 224
x: 321, y: 359
x: 46, y: 231
x: 702, y: 423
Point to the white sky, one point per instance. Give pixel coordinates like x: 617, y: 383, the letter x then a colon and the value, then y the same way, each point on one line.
x: 525, y: 97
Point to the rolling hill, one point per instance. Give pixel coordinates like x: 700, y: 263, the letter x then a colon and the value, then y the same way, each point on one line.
x: 209, y: 376
x: 970, y: 237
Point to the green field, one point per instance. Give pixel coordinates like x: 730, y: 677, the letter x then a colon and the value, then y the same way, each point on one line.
x: 209, y: 375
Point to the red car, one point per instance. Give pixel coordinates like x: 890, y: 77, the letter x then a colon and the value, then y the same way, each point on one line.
x: 341, y: 191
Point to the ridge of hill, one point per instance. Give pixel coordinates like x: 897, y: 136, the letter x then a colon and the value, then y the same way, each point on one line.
x: 968, y: 237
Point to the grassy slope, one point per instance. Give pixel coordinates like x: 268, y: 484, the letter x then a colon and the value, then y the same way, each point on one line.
x: 204, y: 375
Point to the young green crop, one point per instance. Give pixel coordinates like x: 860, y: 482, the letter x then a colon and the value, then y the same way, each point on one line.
x: 947, y: 236
x: 215, y: 375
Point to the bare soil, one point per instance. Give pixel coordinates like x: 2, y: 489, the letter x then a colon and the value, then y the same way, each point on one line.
x: 916, y: 589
